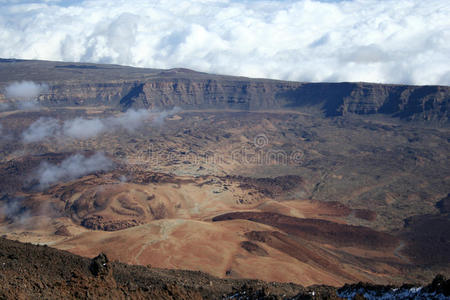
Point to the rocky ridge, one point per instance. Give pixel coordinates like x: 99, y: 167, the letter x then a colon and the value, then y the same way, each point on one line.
x: 32, y: 271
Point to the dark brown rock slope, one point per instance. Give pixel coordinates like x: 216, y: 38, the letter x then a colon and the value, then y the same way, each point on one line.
x: 30, y: 272
x: 39, y: 272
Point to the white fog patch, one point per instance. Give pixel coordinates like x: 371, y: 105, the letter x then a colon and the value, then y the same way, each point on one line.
x: 25, y: 90
x: 4, y: 134
x: 158, y: 117
x: 12, y: 209
x: 393, y: 41
x: 41, y: 129
x: 24, y: 94
x: 71, y: 168
x: 130, y: 120
x: 81, y: 128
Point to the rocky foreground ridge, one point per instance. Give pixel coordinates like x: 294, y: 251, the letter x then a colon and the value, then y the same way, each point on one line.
x: 31, y: 271
x: 75, y: 84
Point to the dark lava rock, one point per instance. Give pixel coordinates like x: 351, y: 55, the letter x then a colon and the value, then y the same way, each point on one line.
x: 444, y: 205
x: 439, y: 285
x: 63, y: 231
x: 253, y: 248
x: 99, y: 265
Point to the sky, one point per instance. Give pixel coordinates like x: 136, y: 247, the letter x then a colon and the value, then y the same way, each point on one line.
x: 388, y: 41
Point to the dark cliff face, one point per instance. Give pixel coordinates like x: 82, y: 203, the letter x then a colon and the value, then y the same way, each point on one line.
x: 430, y: 103
x: 407, y: 102
x: 124, y: 88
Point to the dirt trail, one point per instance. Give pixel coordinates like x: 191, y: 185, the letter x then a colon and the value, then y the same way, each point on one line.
x: 397, y: 252
x: 165, y: 231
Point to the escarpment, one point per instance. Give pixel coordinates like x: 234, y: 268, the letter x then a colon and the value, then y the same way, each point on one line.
x: 89, y: 84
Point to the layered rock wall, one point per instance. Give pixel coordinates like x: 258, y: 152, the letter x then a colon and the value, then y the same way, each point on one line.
x: 124, y: 87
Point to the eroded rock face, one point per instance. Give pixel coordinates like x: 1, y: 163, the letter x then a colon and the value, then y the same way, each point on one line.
x: 335, y: 99
x: 125, y: 87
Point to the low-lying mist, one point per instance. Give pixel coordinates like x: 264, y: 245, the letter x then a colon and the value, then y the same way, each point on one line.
x: 12, y: 209
x: 71, y: 168
x: 24, y: 94
x: 82, y: 128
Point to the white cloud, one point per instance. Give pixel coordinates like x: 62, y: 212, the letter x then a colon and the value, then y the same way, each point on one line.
x: 12, y: 208
x: 130, y: 120
x: 72, y: 167
x: 24, y: 94
x: 80, y: 128
x: 402, y: 41
x: 41, y: 129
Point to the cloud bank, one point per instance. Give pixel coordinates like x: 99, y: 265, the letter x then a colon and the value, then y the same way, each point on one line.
x: 72, y: 167
x: 81, y: 128
x: 395, y: 41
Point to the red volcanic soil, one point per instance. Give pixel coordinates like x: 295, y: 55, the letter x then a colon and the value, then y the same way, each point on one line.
x: 340, y: 235
x: 301, y: 251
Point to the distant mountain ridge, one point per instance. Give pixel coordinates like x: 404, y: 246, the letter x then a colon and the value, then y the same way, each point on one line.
x: 120, y: 87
